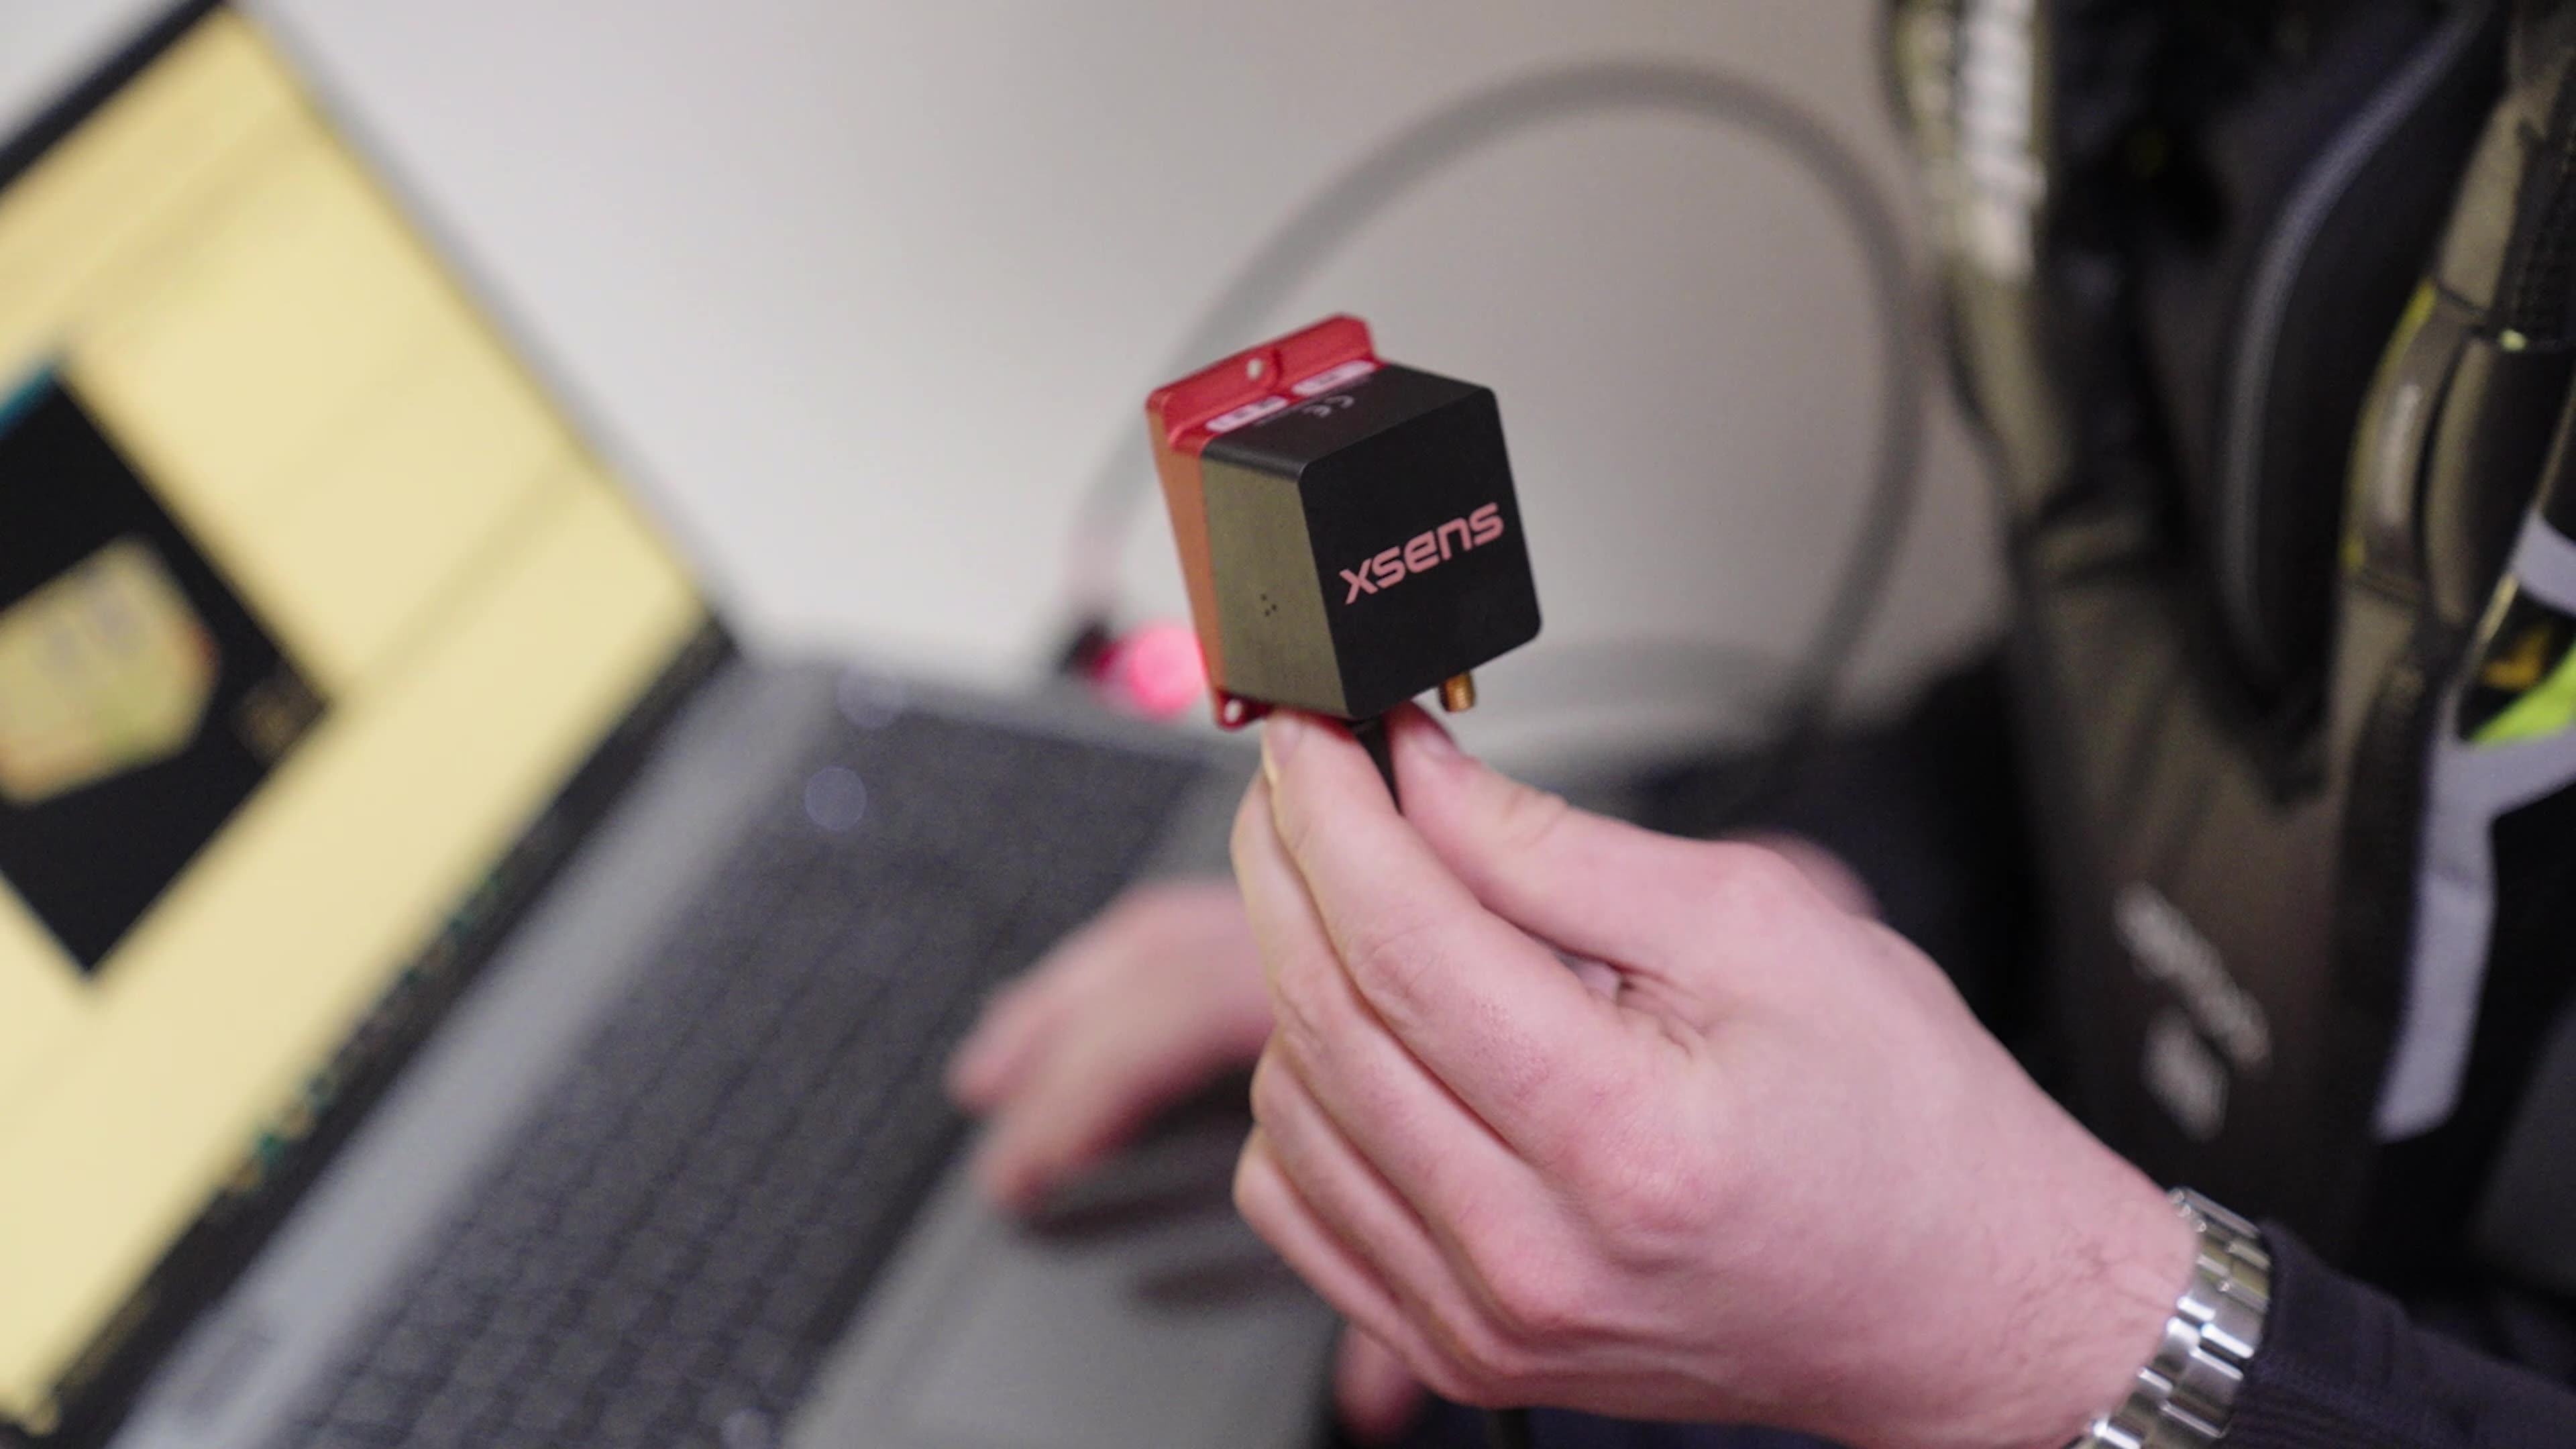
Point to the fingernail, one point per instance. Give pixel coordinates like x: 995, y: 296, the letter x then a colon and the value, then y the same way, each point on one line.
x: 1281, y: 734
x: 1437, y: 739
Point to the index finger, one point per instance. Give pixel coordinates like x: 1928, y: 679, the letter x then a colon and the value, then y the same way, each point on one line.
x: 1487, y: 1009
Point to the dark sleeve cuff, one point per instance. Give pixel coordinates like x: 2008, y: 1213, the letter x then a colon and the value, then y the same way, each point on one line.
x: 2342, y: 1368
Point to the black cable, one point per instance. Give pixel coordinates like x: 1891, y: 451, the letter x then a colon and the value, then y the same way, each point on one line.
x: 1372, y: 735
x: 1317, y: 230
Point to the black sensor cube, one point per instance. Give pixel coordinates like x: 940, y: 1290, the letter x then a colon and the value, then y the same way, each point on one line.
x: 1365, y: 544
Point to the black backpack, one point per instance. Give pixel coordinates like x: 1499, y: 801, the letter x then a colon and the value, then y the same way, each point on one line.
x: 2268, y: 311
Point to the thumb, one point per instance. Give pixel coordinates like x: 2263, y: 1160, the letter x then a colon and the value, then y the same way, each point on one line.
x: 1584, y: 883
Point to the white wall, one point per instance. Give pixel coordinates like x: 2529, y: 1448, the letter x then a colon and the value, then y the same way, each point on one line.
x: 864, y: 290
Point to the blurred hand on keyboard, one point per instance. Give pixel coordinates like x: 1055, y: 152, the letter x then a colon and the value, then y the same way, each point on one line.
x: 1136, y: 1012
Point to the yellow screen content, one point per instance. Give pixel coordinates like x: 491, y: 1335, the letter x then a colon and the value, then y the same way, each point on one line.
x: 309, y: 603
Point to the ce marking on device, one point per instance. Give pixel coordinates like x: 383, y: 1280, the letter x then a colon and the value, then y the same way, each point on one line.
x: 1325, y: 407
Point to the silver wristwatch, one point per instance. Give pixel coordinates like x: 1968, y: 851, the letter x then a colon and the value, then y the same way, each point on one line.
x: 2187, y: 1392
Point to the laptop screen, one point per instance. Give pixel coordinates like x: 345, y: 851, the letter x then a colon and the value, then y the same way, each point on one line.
x: 310, y: 604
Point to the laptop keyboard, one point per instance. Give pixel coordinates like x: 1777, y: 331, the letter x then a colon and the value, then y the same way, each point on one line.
x: 687, y: 1222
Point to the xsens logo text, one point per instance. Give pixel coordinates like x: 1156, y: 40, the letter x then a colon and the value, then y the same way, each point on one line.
x: 1424, y: 552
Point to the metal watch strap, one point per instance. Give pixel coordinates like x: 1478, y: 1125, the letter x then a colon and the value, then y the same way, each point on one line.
x: 2187, y: 1392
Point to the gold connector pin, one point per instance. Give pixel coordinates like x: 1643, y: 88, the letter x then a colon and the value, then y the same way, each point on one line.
x: 1457, y: 696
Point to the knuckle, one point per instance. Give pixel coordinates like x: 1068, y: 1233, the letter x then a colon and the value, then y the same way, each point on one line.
x: 1750, y: 881
x: 1496, y: 1372
x: 1647, y: 1204
x: 1599, y: 1116
x: 1537, y: 1301
x: 1398, y: 952
x: 1422, y: 1345
x: 1531, y: 1289
x: 1445, y: 1377
x: 1636, y: 1174
x: 1473, y: 1387
x: 1298, y: 1032
x: 1306, y: 1000
x: 1476, y: 1350
x: 1658, y: 1202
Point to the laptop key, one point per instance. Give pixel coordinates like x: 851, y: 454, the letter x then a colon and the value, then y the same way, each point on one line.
x: 547, y: 1411
x: 375, y: 1403
x: 632, y: 1419
x: 664, y: 1253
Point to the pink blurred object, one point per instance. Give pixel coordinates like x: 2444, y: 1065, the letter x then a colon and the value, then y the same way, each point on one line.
x: 1155, y: 671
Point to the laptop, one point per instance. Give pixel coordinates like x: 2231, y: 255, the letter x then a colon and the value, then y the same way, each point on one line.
x: 449, y: 993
